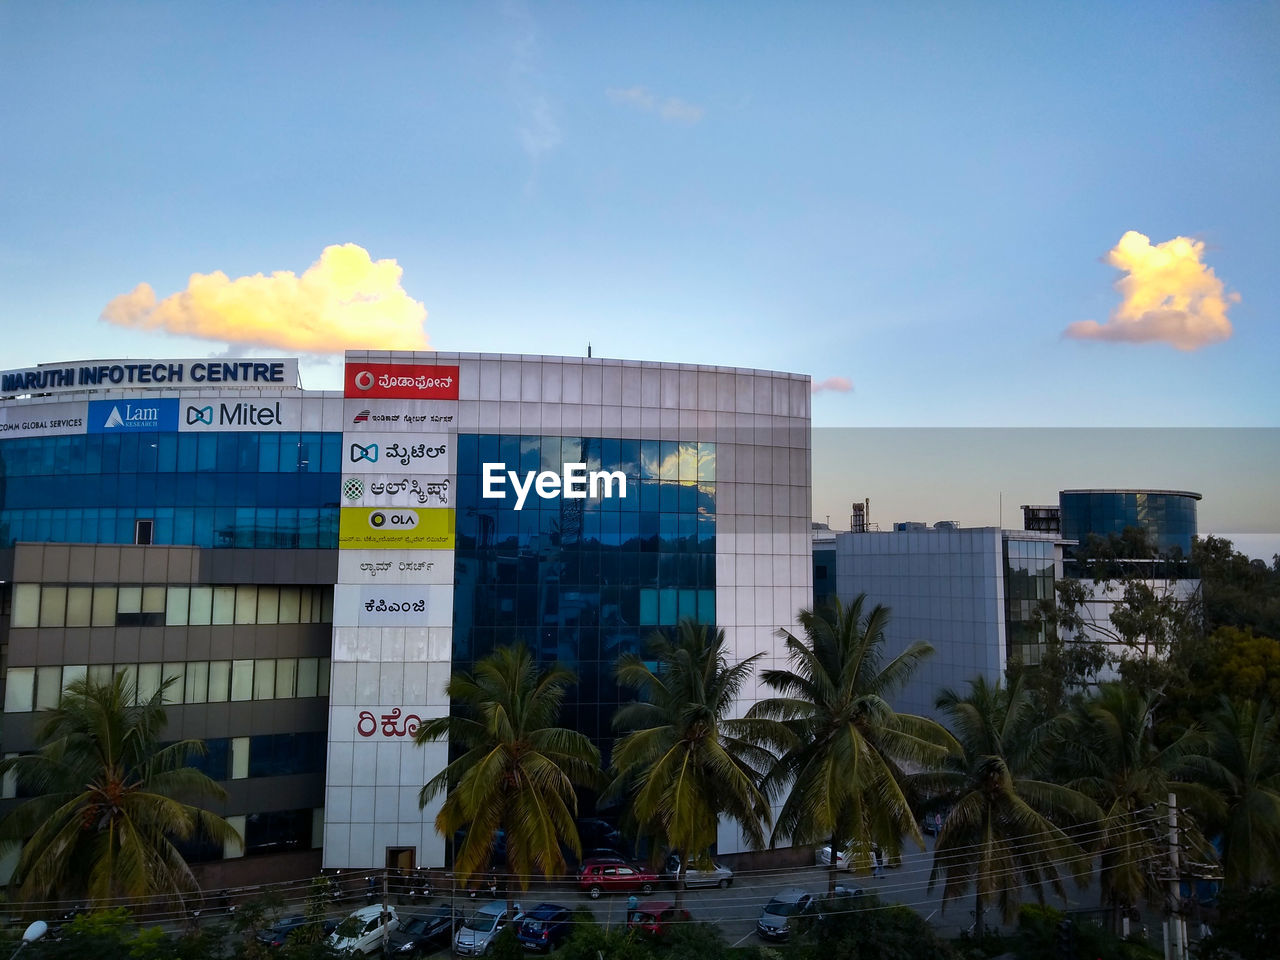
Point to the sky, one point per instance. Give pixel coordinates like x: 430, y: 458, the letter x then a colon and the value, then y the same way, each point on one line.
x: 950, y: 215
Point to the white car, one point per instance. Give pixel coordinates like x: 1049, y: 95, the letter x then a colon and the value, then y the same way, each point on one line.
x: 706, y: 875
x: 822, y: 858
x: 476, y: 936
x: 362, y: 932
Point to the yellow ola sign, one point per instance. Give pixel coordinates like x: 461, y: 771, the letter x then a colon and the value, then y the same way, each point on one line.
x: 398, y: 528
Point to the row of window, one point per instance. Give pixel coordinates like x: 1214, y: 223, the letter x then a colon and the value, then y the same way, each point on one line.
x: 225, y: 452
x: 282, y: 528
x: 239, y: 758
x: 45, y: 605
x: 194, y: 681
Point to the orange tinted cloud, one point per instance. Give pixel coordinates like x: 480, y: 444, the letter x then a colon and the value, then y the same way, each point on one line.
x: 834, y: 384
x: 1167, y: 296
x: 343, y: 300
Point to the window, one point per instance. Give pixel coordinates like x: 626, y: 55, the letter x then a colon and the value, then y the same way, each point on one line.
x: 142, y: 532
x: 241, y: 679
x: 79, y: 606
x: 53, y: 606
x: 26, y: 605
x: 19, y: 689
x: 219, y: 681
x: 48, y: 687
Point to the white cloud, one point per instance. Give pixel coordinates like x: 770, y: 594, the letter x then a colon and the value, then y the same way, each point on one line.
x: 832, y: 384
x: 345, y: 300
x: 672, y: 109
x: 1168, y: 295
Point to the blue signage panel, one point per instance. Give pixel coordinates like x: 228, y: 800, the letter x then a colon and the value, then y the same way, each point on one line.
x: 122, y: 416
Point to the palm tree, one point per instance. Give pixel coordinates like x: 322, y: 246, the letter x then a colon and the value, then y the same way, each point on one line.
x: 682, y: 759
x: 516, y: 772
x: 843, y: 748
x: 1243, y: 771
x: 1002, y: 831
x: 110, y: 802
x: 1112, y: 758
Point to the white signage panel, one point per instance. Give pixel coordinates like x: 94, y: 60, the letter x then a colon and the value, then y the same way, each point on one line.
x: 259, y: 414
x: 413, y: 453
x: 397, y: 490
x: 43, y: 419
x: 411, y: 416
x: 386, y: 566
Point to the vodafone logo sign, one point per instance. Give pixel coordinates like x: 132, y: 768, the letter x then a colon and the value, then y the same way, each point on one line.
x: 402, y: 381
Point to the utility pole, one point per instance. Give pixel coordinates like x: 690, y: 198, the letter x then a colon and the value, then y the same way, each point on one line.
x: 386, y: 917
x: 1177, y: 927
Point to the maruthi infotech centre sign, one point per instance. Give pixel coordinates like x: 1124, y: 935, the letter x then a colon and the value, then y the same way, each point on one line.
x: 149, y: 374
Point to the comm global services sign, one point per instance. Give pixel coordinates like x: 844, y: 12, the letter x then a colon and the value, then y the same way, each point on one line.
x: 149, y: 374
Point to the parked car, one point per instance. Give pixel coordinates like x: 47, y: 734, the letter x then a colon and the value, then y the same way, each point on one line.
x: 422, y: 932
x: 655, y: 917
x: 475, y: 937
x: 782, y: 914
x: 610, y: 876
x: 278, y: 933
x: 362, y: 932
x: 822, y: 858
x: 706, y: 874
x: 545, y: 927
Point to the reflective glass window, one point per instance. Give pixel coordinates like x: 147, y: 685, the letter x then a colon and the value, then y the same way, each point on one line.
x: 241, y: 680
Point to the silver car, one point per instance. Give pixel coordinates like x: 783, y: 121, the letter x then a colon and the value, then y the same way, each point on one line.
x: 475, y: 937
x: 707, y: 874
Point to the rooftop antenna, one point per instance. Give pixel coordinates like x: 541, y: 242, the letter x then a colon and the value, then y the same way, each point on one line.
x: 588, y: 349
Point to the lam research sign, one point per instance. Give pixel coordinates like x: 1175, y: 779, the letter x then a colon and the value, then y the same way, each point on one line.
x: 149, y: 374
x: 134, y: 414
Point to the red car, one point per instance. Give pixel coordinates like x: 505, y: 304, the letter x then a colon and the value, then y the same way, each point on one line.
x: 610, y: 876
x: 656, y: 917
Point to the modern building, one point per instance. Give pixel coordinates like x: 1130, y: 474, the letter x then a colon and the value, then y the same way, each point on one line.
x: 1168, y: 517
x: 970, y: 592
x: 311, y: 566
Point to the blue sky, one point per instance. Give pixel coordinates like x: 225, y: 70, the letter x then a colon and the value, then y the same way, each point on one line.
x: 917, y: 198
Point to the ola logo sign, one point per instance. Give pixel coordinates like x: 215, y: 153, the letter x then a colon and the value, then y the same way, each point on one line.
x: 409, y: 528
x: 396, y: 519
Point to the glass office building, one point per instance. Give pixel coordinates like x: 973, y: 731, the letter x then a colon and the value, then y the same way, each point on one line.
x: 307, y: 568
x: 1167, y: 516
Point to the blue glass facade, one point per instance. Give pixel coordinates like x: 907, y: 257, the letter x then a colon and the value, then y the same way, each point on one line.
x: 1167, y: 516
x: 585, y: 580
x: 231, y: 489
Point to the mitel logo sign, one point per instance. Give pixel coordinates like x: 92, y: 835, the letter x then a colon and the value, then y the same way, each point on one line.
x: 360, y: 452
x: 119, y: 416
x: 574, y: 483
x: 245, y: 414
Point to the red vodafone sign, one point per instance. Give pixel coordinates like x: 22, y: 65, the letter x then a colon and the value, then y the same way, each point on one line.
x: 402, y: 381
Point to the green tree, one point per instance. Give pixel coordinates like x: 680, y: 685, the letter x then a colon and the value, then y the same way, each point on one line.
x: 516, y: 771
x: 682, y: 761
x: 1110, y: 755
x: 842, y: 747
x: 1002, y: 833
x: 1243, y: 771
x: 110, y: 801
